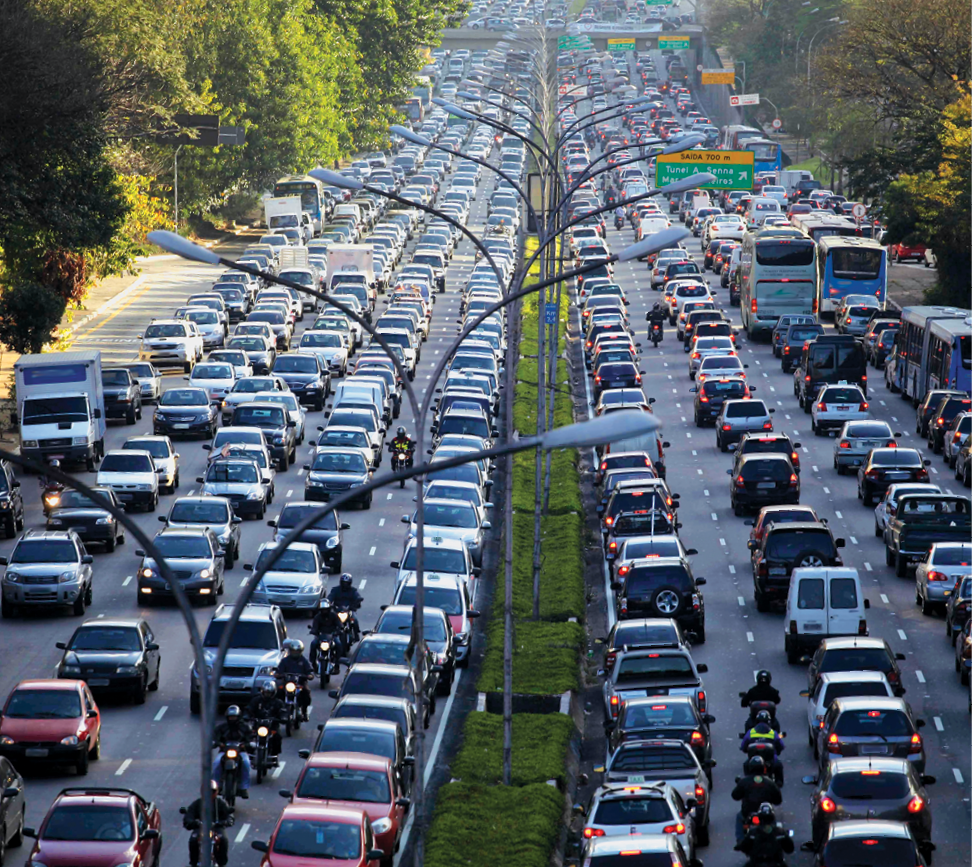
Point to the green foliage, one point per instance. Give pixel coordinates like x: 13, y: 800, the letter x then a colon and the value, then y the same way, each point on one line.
x: 487, y: 826
x: 29, y: 313
x: 540, y: 743
x: 546, y: 656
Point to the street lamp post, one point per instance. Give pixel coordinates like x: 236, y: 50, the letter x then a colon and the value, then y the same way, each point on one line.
x: 836, y: 21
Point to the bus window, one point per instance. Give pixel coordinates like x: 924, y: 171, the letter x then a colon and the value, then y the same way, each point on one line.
x: 784, y: 254
x: 852, y: 263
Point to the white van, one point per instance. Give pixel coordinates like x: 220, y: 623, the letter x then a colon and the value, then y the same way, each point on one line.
x: 759, y: 209
x: 823, y: 602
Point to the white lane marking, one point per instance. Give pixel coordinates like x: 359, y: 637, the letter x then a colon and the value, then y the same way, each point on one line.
x: 699, y: 472
x: 694, y: 452
x: 362, y: 583
x: 123, y: 767
x: 389, y: 497
x: 715, y: 517
x: 277, y: 771
x: 884, y: 598
x: 853, y: 540
x: 241, y: 834
x: 732, y: 569
x: 826, y: 489
x: 381, y: 523
x: 750, y: 637
x: 161, y: 712
x: 371, y: 553
x: 816, y: 469
x: 688, y: 436
x: 958, y: 776
x: 786, y: 416
x: 742, y: 601
x: 300, y: 472
x: 839, y: 515
x: 920, y: 675
x: 722, y: 542
x: 868, y: 566
x: 705, y: 492
x: 938, y: 723
x: 290, y: 493
x: 902, y: 635
x: 127, y: 581
x: 934, y: 471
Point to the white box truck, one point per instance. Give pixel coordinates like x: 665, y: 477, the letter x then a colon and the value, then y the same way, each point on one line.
x: 789, y: 178
x: 284, y: 212
x: 351, y: 258
x: 61, y: 406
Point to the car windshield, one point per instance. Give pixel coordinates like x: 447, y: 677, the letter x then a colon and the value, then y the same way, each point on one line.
x: 45, y: 551
x: 353, y: 418
x: 105, y: 638
x: 632, y: 811
x: 652, y: 758
x: 122, y: 463
x: 436, y: 560
x: 248, y: 634
x: 302, y: 838
x: 184, y: 397
x: 343, y: 438
x: 345, y: 784
x: 841, y: 395
x: 235, y: 435
x: 728, y: 389
x: 293, y: 515
x: 870, y: 785
x: 866, y: 850
x: 849, y: 690
x: 319, y: 338
x: 855, y: 659
x: 74, y: 499
x: 446, y: 598
x: 43, y: 704
x: 381, y: 651
x: 765, y: 469
x: 873, y: 723
x: 788, y: 544
x: 295, y: 364
x: 155, y: 331
x: 115, y: 377
x: 239, y: 474
x: 203, y: 317
x: 642, y: 580
x: 290, y: 561
x: 654, y: 665
x: 212, y: 371
x: 869, y: 430
x: 459, y: 516
x: 372, y: 683
x: 252, y: 385
x: 659, y: 713
x: 175, y: 546
x: 622, y: 859
x: 400, y: 623
x: 896, y: 458
x: 340, y: 462
x: 745, y: 409
x: 156, y: 448
x: 89, y: 822
x: 199, y: 512
x: 259, y: 416
x: 141, y: 370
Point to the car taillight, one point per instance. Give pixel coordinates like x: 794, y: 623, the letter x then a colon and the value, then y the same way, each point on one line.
x: 922, y: 475
x: 698, y: 738
x: 862, y: 627
x: 893, y: 444
x: 862, y: 406
x: 609, y: 520
x: 612, y: 546
x: 939, y: 421
x: 827, y: 805
x: 699, y: 795
x: 727, y: 427
x: 701, y: 701
x: 703, y: 399
x: 696, y: 355
x: 872, y: 474
x: 894, y: 677
x: 833, y: 744
x: 676, y: 829
x: 806, y: 378
x: 593, y: 832
x: 786, y: 350
x: 752, y: 306
x: 822, y: 406
x: 793, y: 480
x: 915, y: 746
x: 767, y: 425
x: 915, y: 805
x: 937, y: 576
x: 609, y: 660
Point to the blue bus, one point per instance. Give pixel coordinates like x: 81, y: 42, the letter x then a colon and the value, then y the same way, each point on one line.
x: 950, y: 354
x: 850, y: 266
x: 767, y: 155
x: 311, y: 192
x: 909, y: 366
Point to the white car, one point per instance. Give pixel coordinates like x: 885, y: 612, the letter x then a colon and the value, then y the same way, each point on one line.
x: 329, y: 346
x: 295, y: 582
x: 236, y: 357
x: 165, y: 457
x: 443, y: 556
x: 703, y: 347
x: 216, y: 377
x: 721, y: 366
x: 133, y: 477
x: 148, y: 378
x: 724, y: 227
x: 171, y: 342
x: 836, y: 404
x: 884, y: 510
x: 841, y: 684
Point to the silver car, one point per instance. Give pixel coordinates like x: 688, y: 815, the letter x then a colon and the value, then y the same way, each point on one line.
x: 741, y: 416
x: 47, y: 569
x: 295, y: 582
x: 148, y: 378
x: 937, y: 572
x: 856, y: 438
x: 240, y: 481
x: 454, y: 519
x: 703, y: 347
x: 164, y: 456
x: 214, y: 513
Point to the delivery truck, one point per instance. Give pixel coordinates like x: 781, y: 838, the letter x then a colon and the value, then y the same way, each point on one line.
x: 351, y: 258
x: 61, y: 407
x: 286, y: 212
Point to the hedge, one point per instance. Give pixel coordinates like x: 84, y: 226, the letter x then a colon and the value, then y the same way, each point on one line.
x: 540, y: 743
x: 546, y: 656
x: 488, y: 826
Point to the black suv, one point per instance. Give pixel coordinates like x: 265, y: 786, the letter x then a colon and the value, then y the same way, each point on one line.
x: 929, y: 403
x: 662, y: 587
x: 942, y: 416
x: 275, y: 421
x: 123, y: 394
x: 711, y: 394
x: 791, y: 345
x: 827, y: 360
x: 758, y: 480
x: 769, y: 443
x: 782, y: 549
x: 11, y: 501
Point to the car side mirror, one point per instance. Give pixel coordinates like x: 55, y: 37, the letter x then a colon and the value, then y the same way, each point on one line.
x: 151, y: 646
x: 60, y: 645
x: 809, y: 781
x: 920, y: 723
x: 898, y: 433
x: 272, y: 522
x: 617, y: 585
x: 487, y: 525
x: 31, y: 832
x: 926, y: 462
x: 200, y: 480
x: 928, y: 780
x: 702, y: 668
x: 840, y: 543
x: 867, y: 603
x: 138, y: 553
x: 807, y: 847
x: 772, y: 410
x: 699, y: 582
x: 92, y: 714
x: 752, y: 544
x: 375, y: 854
x: 150, y: 834
x: 345, y: 526
x: 694, y: 389
x: 285, y: 793
x: 87, y: 559
x: 745, y: 367
x: 405, y: 519
x: 259, y: 845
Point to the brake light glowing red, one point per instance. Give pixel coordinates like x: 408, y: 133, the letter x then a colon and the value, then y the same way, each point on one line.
x: 915, y: 805
x: 937, y: 576
x: 593, y: 832
x: 828, y: 806
x: 698, y: 738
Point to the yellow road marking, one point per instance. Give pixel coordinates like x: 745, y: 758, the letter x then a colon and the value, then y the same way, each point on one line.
x: 111, y: 316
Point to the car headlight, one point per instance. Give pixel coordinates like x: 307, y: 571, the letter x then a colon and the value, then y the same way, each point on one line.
x: 314, y: 483
x: 79, y: 441
x: 12, y: 577
x: 267, y: 671
x: 205, y: 573
x: 54, y: 522
x: 255, y: 495
x: 310, y: 588
x: 224, y: 404
x: 126, y: 669
x: 73, y: 670
x: 333, y: 542
x: 70, y: 741
x: 380, y: 826
x: 148, y: 573
x: 66, y: 577
x: 105, y: 520
x: 278, y: 438
x: 6, y: 741
x: 30, y: 444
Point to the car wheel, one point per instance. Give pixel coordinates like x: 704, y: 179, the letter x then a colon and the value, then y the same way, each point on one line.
x: 762, y: 603
x: 284, y: 462
x: 110, y: 544
x: 78, y: 608
x: 9, y: 529
x: 194, y: 703
x: 17, y: 839
x: 702, y: 837
x: 130, y: 416
x: 810, y: 559
x: 867, y: 496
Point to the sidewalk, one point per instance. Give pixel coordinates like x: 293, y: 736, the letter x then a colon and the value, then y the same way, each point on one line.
x: 907, y: 283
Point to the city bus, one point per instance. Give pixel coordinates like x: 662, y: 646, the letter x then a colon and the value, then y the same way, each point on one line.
x: 767, y: 155
x: 850, y: 266
x: 913, y: 357
x: 777, y: 275
x: 311, y: 192
x: 950, y: 354
x: 734, y: 135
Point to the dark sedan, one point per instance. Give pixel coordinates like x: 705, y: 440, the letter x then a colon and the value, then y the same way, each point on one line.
x: 325, y: 532
x: 185, y: 412
x: 886, y: 467
x: 92, y: 522
x: 711, y: 394
x: 669, y: 717
x: 621, y: 374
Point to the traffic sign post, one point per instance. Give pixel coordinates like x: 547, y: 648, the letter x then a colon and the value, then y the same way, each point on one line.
x: 777, y: 123
x: 733, y: 170
x: 718, y: 76
x: 744, y: 99
x: 550, y: 314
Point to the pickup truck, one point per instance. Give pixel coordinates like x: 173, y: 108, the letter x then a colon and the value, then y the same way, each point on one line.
x: 919, y: 521
x: 669, y: 761
x: 658, y: 671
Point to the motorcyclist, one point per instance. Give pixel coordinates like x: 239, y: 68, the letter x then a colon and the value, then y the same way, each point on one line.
x: 753, y: 789
x: 402, y: 442
x: 325, y: 622
x: 222, y: 814
x: 266, y: 706
x: 761, y: 691
x: 763, y: 732
x: 234, y: 730
x: 619, y: 217
x: 657, y: 317
x: 296, y: 663
x: 347, y: 595
x: 766, y: 842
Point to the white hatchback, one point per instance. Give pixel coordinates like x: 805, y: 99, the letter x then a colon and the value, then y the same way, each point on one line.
x: 836, y: 404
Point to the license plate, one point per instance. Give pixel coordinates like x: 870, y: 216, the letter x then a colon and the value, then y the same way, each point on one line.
x: 35, y: 753
x: 122, y: 496
x: 233, y: 684
x: 896, y: 475
x: 812, y: 627
x: 101, y: 681
x: 874, y: 750
x: 856, y: 462
x: 842, y: 408
x: 56, y: 457
x: 181, y: 426
x: 777, y: 570
x: 765, y: 486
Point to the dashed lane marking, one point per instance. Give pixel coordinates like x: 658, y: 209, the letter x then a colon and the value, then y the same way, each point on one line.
x: 241, y: 834
x: 161, y: 712
x: 127, y: 581
x: 902, y: 635
x: 123, y: 767
x: 371, y: 553
x: 884, y: 598
x: 920, y: 675
x: 938, y: 723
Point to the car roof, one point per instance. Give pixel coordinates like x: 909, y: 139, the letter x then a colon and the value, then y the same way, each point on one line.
x: 655, y: 699
x: 183, y: 531
x: 50, y: 683
x: 115, y: 623
x: 870, y: 702
x: 350, y: 760
x: 845, y: 642
x: 98, y: 794
x: 374, y: 700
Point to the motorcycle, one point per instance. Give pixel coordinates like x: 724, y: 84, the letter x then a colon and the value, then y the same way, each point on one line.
x: 657, y: 335
x: 767, y: 751
x: 290, y: 685
x: 401, y: 461
x: 263, y: 760
x: 349, y: 625
x: 325, y: 657
x: 755, y: 707
x: 619, y: 223
x: 217, y: 839
x: 50, y: 495
x: 230, y: 770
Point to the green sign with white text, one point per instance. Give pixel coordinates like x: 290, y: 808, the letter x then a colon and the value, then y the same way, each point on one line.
x: 733, y: 170
x: 677, y: 42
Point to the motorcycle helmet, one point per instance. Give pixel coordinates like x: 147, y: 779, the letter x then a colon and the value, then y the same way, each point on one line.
x: 214, y: 788
x: 763, y: 677
x: 55, y: 464
x: 756, y: 765
x: 346, y: 581
x: 324, y: 604
x: 763, y: 717
x: 295, y: 647
x: 233, y: 713
x: 401, y: 430
x: 268, y: 690
x: 766, y: 814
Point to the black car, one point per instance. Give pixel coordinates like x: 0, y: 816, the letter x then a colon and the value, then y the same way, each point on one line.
x: 11, y: 501
x: 870, y: 843
x: 643, y: 498
x: 710, y: 254
x: 929, y: 403
x: 439, y: 636
x: 781, y: 549
x: 184, y: 412
x: 325, y: 532
x: 388, y: 649
x: 791, y: 344
x: 889, y: 466
x: 90, y: 520
x: 662, y: 587
x: 275, y: 422
x: 941, y: 418
x: 957, y: 607
x: 113, y: 655
x: 856, y: 653
x: 12, y: 805
x: 390, y: 681
x: 617, y: 374
x: 758, y: 480
x: 828, y: 359
x: 663, y: 717
x: 123, y: 394
x: 711, y: 394
x: 334, y: 472
x: 769, y: 443
x: 646, y: 632
x: 308, y: 377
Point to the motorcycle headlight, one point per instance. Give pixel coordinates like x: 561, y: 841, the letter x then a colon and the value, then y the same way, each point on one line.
x: 66, y: 577
x: 105, y: 520
x: 332, y: 542
x: 126, y: 669
x: 267, y: 671
x: 70, y: 741
x: 325, y: 645
x: 231, y: 754
x: 380, y: 826
x: 263, y: 731
x: 52, y: 499
x: 291, y: 686
x: 343, y: 616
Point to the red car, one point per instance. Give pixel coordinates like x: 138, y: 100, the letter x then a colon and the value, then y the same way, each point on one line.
x: 900, y: 252
x: 323, y: 835
x: 53, y: 721
x: 98, y: 827
x: 358, y: 781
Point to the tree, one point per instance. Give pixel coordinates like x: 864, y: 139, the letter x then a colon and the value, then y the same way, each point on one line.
x: 29, y: 313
